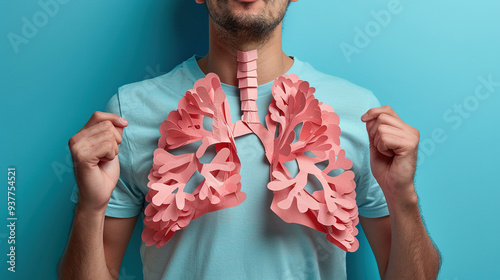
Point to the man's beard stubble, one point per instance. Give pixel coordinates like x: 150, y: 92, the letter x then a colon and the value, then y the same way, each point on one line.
x: 241, y: 30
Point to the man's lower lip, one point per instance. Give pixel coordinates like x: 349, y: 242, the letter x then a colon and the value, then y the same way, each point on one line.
x: 248, y: 1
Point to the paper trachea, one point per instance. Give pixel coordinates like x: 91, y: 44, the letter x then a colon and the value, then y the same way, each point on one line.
x: 247, y: 82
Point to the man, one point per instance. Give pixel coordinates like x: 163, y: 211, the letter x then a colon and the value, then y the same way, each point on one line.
x: 247, y: 241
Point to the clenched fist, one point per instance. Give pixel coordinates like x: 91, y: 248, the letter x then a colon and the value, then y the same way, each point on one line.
x: 94, y: 150
x: 393, y: 152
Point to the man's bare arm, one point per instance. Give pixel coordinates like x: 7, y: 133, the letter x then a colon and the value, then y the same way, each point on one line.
x: 378, y: 234
x: 393, y: 158
x: 96, y: 243
x: 413, y: 255
x: 84, y: 255
x: 96, y: 246
x: 402, y: 247
x: 117, y: 233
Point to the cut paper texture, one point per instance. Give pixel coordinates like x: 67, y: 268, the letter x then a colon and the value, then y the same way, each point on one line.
x: 333, y: 209
x: 316, y: 150
x: 170, y: 208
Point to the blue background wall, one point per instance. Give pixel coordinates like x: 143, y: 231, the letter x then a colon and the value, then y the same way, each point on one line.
x: 426, y: 61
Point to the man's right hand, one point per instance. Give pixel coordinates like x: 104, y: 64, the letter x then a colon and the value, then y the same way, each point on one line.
x: 94, y: 150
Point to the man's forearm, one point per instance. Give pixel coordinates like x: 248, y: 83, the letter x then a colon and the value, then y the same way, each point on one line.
x: 412, y: 255
x: 84, y: 256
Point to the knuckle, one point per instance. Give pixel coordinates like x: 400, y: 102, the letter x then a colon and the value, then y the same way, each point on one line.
x: 383, y: 128
x: 107, y: 124
x: 416, y: 132
x: 387, y: 107
x: 71, y: 142
x: 384, y: 137
x: 108, y: 145
x: 75, y: 143
x: 383, y: 117
x: 108, y: 134
x: 97, y: 115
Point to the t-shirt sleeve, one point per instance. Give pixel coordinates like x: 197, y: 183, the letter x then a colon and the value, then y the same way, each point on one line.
x: 126, y: 199
x: 369, y: 196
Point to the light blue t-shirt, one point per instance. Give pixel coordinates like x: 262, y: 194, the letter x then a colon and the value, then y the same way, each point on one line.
x: 248, y: 241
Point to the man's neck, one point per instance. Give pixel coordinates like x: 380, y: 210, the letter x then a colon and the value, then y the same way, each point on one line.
x: 272, y: 62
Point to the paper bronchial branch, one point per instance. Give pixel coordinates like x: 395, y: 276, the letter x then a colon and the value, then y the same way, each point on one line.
x: 315, y: 148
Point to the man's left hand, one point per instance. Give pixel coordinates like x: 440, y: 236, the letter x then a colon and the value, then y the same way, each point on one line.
x: 393, y: 152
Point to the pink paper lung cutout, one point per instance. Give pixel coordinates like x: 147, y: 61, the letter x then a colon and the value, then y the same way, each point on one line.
x: 332, y: 210
x: 170, y: 208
